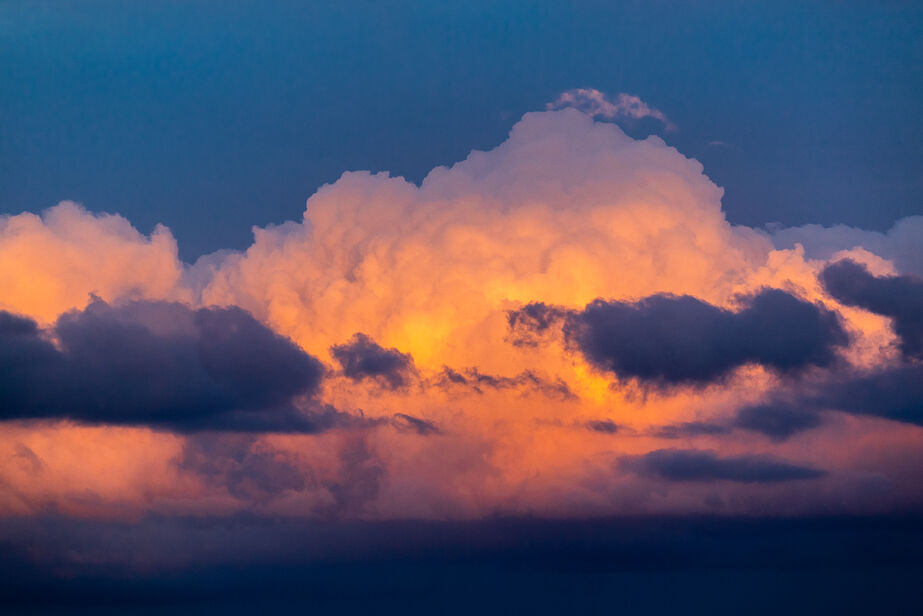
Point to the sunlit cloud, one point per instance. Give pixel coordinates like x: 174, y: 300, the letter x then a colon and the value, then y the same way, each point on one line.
x: 564, y: 325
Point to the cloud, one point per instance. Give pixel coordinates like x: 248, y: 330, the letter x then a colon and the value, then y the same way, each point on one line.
x: 597, y: 105
x: 900, y: 244
x: 895, y: 393
x: 700, y: 465
x: 363, y: 358
x: 670, y: 340
x: 238, y: 463
x: 777, y: 421
x: 606, y: 426
x: 54, y: 262
x: 159, y: 364
x: 495, y: 299
x: 898, y: 297
x: 361, y: 474
x: 527, y: 380
x: 415, y: 424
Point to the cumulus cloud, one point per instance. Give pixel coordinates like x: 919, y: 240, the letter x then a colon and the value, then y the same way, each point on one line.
x: 596, y: 104
x: 900, y: 244
x: 538, y: 287
x: 670, y: 339
x: 52, y: 263
x: 363, y: 358
x: 159, y: 364
x: 696, y: 465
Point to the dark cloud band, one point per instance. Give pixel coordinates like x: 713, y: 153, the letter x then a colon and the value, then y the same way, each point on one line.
x: 159, y: 364
x: 701, y: 465
x: 669, y: 340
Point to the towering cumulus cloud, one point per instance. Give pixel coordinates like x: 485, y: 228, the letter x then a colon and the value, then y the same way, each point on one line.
x: 564, y: 325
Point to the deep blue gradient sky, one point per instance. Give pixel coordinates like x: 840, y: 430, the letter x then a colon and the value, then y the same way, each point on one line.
x: 214, y: 116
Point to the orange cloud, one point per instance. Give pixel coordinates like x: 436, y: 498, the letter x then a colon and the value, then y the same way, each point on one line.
x: 565, y: 211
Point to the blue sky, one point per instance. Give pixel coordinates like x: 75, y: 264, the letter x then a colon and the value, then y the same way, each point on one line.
x: 212, y: 117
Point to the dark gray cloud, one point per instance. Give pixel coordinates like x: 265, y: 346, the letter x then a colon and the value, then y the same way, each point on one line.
x: 606, y: 426
x: 703, y: 465
x: 527, y: 380
x: 898, y: 297
x: 159, y: 364
x: 531, y: 322
x: 776, y: 420
x: 894, y: 393
x: 668, y: 340
x: 363, y: 358
x: 405, y: 422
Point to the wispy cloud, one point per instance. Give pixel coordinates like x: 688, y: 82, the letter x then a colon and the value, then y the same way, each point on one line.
x: 596, y: 104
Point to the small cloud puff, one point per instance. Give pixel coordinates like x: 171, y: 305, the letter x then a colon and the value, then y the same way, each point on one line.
x: 597, y: 105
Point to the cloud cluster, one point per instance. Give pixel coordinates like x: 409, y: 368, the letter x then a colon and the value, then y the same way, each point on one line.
x: 565, y: 325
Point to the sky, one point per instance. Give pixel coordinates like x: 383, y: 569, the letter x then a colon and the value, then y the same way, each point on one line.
x: 452, y: 306
x: 211, y: 117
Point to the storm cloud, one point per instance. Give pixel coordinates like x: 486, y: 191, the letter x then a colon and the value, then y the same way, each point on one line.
x: 158, y: 364
x: 669, y: 340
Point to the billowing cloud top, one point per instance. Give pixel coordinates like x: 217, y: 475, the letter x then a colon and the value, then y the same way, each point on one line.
x: 565, y: 325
